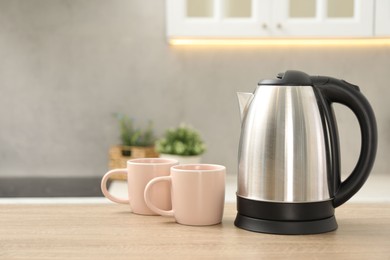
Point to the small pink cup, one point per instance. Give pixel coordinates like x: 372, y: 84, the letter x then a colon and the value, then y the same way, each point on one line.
x: 198, y: 194
x: 139, y: 173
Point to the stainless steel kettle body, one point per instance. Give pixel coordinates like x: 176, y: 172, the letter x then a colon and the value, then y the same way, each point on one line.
x: 288, y: 176
x: 283, y: 150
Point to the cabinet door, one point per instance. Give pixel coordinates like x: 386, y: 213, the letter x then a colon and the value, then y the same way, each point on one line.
x: 322, y: 18
x: 382, y: 18
x: 217, y: 18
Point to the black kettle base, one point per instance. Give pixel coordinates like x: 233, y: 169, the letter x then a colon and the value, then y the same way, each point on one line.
x: 286, y: 227
x: 285, y: 217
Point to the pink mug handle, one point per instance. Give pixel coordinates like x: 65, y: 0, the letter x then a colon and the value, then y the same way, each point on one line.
x: 104, y: 186
x: 148, y: 200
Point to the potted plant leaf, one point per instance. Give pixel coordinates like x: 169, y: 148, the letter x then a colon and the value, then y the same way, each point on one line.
x: 136, y: 142
x: 182, y: 143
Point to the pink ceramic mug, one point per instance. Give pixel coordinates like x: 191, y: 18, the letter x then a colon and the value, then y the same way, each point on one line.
x: 198, y: 194
x: 139, y: 173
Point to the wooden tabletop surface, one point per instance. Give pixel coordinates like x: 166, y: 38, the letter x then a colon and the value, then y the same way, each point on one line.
x: 109, y: 231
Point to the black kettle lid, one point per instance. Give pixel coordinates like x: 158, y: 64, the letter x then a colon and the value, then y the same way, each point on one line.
x: 289, y: 78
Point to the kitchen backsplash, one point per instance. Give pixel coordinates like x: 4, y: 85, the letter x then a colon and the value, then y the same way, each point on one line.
x: 66, y: 66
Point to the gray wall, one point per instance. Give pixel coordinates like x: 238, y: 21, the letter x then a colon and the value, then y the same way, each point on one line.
x: 66, y: 66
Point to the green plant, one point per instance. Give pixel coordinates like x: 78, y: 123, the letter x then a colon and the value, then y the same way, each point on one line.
x: 182, y: 140
x: 131, y: 136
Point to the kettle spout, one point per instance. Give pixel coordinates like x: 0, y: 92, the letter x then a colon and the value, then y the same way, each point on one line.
x: 244, y: 99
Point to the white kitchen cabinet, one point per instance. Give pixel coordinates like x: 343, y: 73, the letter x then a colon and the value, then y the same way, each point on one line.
x: 217, y: 18
x: 269, y: 18
x: 382, y: 18
x: 323, y: 18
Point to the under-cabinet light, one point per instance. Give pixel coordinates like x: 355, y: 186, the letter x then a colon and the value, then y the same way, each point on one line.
x: 282, y: 42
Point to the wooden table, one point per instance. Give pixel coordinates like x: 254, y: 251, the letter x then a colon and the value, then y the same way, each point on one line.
x: 108, y: 231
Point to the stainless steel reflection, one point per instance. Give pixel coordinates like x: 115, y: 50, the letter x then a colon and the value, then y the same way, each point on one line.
x: 282, y: 154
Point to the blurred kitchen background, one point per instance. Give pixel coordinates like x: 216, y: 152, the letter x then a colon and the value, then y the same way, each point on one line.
x: 67, y: 66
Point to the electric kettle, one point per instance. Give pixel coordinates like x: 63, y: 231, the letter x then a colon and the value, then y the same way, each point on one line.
x: 289, y: 163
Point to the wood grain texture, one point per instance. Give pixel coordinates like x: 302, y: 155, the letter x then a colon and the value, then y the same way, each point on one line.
x: 108, y: 231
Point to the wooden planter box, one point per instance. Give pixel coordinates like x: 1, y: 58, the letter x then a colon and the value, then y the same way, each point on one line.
x: 119, y: 154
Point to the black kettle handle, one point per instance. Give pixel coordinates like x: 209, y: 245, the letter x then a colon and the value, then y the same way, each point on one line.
x: 339, y: 91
